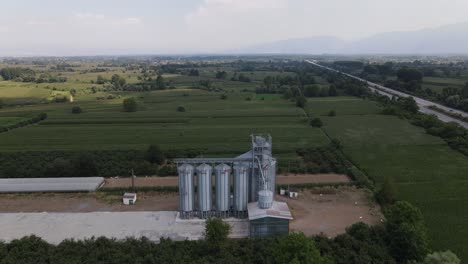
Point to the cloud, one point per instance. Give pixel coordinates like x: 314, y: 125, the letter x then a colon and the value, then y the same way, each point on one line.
x: 219, y: 24
x: 39, y: 23
x: 212, y: 7
x: 4, y: 29
x: 93, y: 18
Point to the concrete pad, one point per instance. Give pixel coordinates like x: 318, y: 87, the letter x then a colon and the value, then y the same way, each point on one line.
x: 56, y: 227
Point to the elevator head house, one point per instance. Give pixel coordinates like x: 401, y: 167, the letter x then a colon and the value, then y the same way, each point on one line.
x: 254, y: 185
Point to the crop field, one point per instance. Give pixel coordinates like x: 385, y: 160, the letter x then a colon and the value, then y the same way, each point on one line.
x: 437, y: 84
x: 427, y: 172
x: 341, y: 105
x: 219, y: 126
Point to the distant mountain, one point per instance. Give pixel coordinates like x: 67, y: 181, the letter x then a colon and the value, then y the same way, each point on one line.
x: 442, y: 40
x: 446, y: 39
x: 314, y: 45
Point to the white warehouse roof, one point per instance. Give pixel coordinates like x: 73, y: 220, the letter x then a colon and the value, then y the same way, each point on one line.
x: 277, y: 210
x: 12, y: 185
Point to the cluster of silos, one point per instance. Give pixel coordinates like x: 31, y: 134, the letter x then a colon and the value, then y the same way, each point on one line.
x: 252, y: 176
x: 223, y: 206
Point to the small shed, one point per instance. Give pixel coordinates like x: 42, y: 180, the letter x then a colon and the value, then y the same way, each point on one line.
x: 129, y: 198
x: 269, y: 222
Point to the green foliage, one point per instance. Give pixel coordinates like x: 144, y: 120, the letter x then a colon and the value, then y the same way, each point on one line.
x: 386, y: 195
x: 155, y: 155
x: 409, y: 74
x: 332, y: 91
x: 118, y: 81
x: 221, y: 75
x: 409, y: 104
x: 84, y: 165
x: 216, y: 231
x: 23, y: 122
x: 301, y: 101
x: 180, y: 109
x: 360, y: 244
x: 60, y: 167
x: 316, y: 122
x: 407, y: 234
x: 18, y: 74
x: 296, y: 248
x: 194, y: 72
x: 76, y: 110
x: 130, y: 105
x: 30, y: 249
x: 320, y: 160
x: 312, y: 90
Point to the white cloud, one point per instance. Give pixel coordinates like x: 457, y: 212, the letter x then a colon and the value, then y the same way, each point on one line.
x: 92, y: 18
x: 212, y: 7
x: 224, y: 24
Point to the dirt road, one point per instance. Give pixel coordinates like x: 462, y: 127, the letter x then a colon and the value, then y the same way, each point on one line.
x: 173, y: 180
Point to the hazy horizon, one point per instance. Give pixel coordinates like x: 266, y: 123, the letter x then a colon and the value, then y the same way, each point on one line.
x: 122, y: 27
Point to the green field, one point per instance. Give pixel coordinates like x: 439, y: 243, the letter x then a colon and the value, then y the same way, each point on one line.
x: 428, y: 173
x: 219, y: 126
x: 437, y: 84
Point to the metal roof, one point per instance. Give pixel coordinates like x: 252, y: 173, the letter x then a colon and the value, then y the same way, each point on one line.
x: 13, y: 185
x: 129, y: 195
x: 277, y: 210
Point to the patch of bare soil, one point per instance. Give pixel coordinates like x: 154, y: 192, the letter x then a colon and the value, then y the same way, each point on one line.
x: 330, y: 211
x: 85, y: 202
x: 173, y: 180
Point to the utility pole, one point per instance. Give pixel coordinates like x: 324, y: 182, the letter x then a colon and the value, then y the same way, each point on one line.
x: 133, y: 181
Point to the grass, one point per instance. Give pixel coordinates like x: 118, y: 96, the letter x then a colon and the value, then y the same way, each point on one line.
x: 427, y: 172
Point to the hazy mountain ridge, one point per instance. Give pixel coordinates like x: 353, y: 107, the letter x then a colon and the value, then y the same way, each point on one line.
x: 446, y: 39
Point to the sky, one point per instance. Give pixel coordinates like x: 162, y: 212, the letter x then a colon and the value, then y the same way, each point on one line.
x: 105, y: 27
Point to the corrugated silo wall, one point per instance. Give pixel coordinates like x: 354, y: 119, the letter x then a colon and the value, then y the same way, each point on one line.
x: 272, y: 176
x: 254, y: 179
x: 241, y: 176
x: 186, y: 189
x: 223, y: 173
x: 204, y: 189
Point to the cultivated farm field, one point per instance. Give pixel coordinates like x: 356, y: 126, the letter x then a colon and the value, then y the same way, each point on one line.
x: 427, y: 172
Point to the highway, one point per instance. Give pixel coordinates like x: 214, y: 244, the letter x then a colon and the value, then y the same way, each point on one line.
x: 422, y: 103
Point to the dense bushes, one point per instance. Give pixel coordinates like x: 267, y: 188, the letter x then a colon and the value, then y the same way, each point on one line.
x: 39, y: 117
x: 130, y: 105
x: 106, y: 163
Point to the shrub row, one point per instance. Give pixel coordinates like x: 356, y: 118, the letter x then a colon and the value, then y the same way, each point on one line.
x: 38, y: 118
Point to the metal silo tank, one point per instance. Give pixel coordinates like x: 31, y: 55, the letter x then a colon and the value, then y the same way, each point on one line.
x: 241, y: 173
x: 265, y: 199
x: 186, y: 190
x: 253, y: 178
x: 204, y: 190
x: 223, y: 173
x: 272, y: 176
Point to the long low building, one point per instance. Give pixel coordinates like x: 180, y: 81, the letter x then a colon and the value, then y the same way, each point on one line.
x: 79, y: 184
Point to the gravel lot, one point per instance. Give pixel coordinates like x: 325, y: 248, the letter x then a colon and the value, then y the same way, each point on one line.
x: 56, y: 227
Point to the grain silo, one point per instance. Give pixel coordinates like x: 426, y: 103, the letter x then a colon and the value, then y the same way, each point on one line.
x: 186, y: 191
x: 204, y: 189
x: 254, y: 181
x: 223, y: 173
x: 241, y: 172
